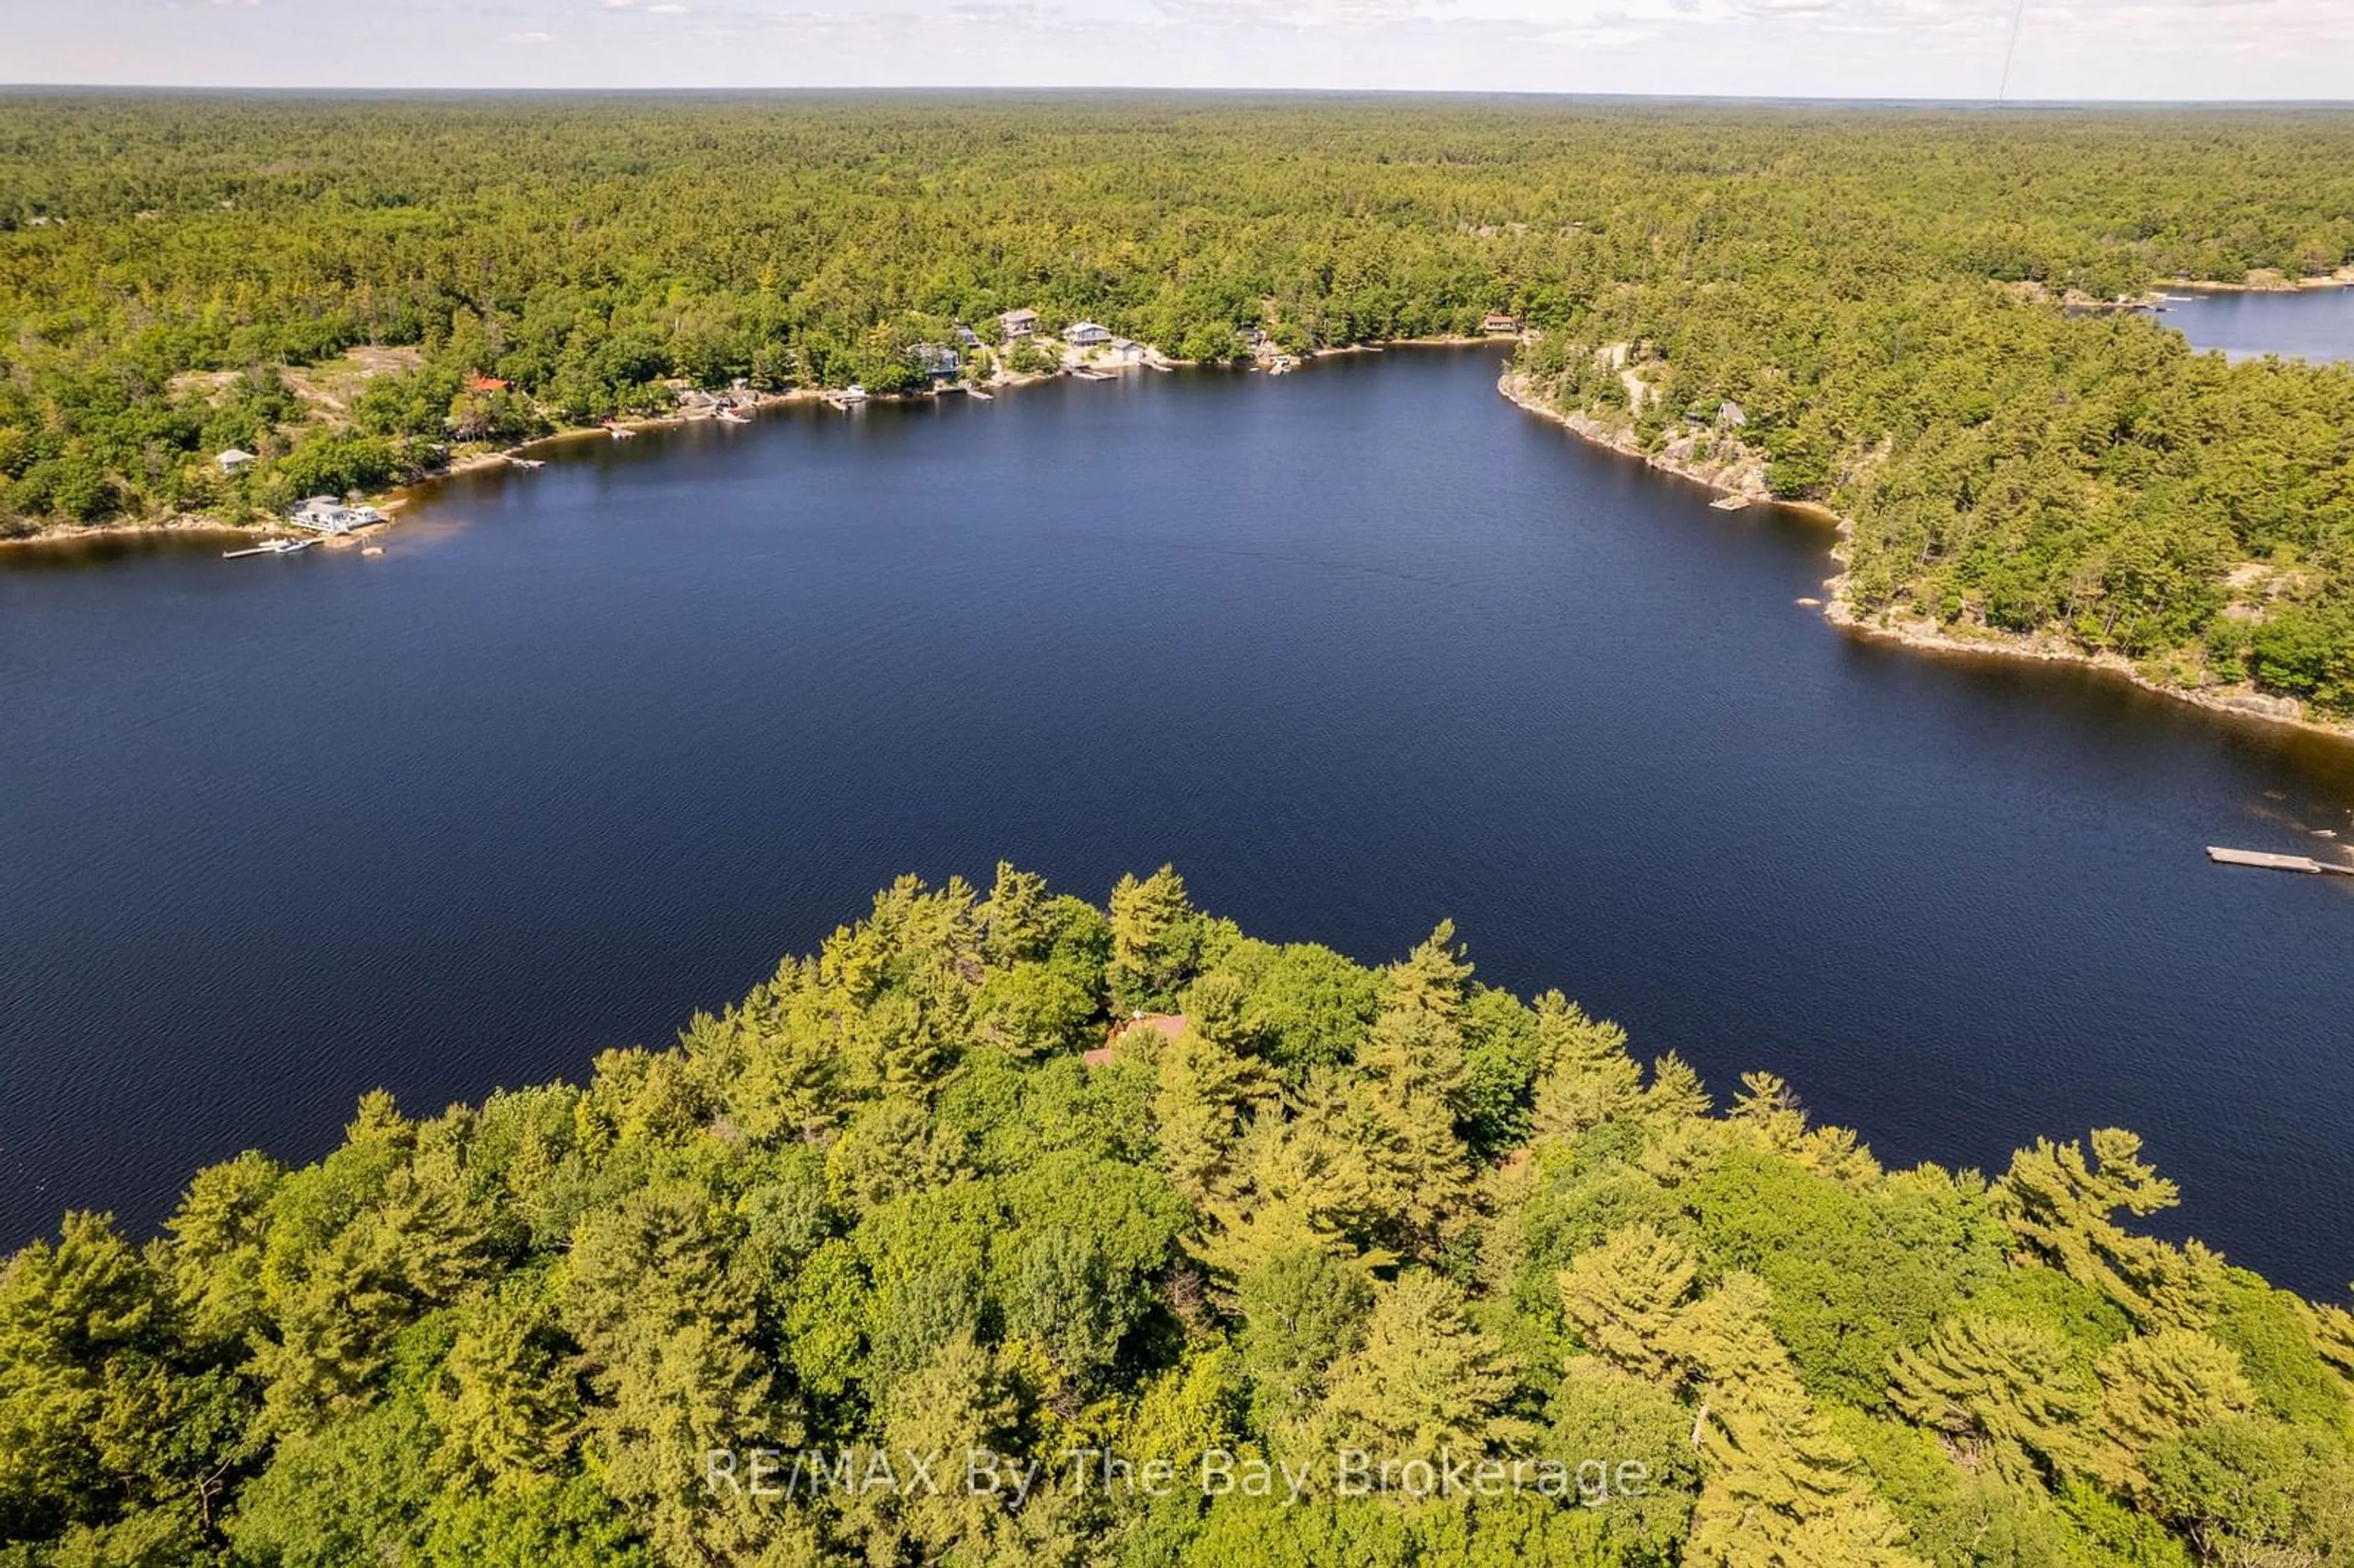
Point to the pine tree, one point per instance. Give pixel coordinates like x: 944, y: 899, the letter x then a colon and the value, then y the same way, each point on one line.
x: 1154, y: 941
x: 1423, y: 1381
x: 1014, y: 921
x: 1675, y: 1092
x: 1205, y: 1089
x: 666, y: 1331
x: 1780, y: 1487
x: 1295, y: 1182
x: 1412, y: 1060
x: 2010, y: 1389
x: 2155, y: 1388
x: 1433, y: 978
x: 1622, y: 1298
x: 215, y: 1259
x: 955, y: 1405
x: 1588, y: 1078
x: 2061, y: 1206
x: 505, y: 1400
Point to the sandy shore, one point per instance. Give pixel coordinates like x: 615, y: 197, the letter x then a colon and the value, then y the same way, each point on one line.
x: 1919, y: 632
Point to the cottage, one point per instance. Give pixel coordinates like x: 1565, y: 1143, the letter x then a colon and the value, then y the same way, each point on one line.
x: 1085, y: 335
x: 1018, y: 325
x: 1731, y: 413
x: 1496, y: 321
x: 935, y: 360
x: 966, y: 337
x: 488, y: 384
x: 236, y: 460
x: 327, y: 514
x: 1168, y: 1025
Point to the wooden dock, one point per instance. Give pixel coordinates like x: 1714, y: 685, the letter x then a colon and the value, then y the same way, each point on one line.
x: 2296, y: 862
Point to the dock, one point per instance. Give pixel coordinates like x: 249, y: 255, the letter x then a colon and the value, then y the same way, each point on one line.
x: 2297, y: 862
x: 270, y: 548
x: 1734, y: 503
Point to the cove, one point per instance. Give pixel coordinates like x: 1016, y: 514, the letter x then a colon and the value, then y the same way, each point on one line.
x: 1357, y: 649
x: 2301, y: 324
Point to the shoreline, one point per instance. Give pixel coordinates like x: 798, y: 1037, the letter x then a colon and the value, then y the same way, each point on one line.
x: 400, y: 497
x: 1918, y: 632
x: 2341, y: 279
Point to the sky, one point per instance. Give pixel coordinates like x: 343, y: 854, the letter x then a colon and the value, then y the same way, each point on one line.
x: 2066, y: 50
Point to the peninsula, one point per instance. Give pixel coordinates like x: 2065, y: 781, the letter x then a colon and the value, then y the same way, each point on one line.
x: 1007, y: 1228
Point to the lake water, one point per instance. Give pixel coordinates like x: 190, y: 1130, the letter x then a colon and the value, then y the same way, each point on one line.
x: 2313, y: 324
x: 1357, y: 649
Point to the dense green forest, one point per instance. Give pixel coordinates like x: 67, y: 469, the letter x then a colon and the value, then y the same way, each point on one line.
x: 332, y: 285
x: 918, y: 1211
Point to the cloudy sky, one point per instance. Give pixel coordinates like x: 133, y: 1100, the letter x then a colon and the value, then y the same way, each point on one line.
x: 1878, y: 49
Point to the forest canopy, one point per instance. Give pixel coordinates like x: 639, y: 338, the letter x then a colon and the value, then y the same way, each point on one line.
x: 349, y: 288
x: 1008, y: 1174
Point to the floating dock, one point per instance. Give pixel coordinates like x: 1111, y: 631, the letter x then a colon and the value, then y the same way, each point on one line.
x: 2259, y: 858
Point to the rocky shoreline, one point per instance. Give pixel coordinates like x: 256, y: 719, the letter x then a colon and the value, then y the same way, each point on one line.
x: 1918, y: 632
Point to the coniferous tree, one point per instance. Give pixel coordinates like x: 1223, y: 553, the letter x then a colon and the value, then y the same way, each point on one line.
x: 2008, y: 1388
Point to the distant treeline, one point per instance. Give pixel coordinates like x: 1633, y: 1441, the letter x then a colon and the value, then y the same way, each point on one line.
x: 1009, y: 1175
x: 1850, y: 277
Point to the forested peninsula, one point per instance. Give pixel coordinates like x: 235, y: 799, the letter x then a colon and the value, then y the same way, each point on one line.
x: 1883, y: 311
x: 1006, y: 1229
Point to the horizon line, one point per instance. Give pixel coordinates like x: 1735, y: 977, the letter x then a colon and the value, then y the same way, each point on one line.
x: 26, y: 89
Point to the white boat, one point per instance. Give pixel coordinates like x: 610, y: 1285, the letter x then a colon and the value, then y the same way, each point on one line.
x: 854, y: 392
x: 730, y: 417
x: 620, y: 434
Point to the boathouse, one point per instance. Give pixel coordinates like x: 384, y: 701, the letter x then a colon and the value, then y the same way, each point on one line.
x: 1496, y: 321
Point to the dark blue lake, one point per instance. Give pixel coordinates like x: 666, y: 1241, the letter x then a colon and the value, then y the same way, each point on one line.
x: 1357, y: 649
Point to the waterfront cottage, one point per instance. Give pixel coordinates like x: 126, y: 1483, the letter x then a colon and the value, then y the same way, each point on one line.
x: 1086, y: 334
x: 1496, y: 321
x: 1018, y: 325
x: 328, y: 514
x: 935, y: 360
